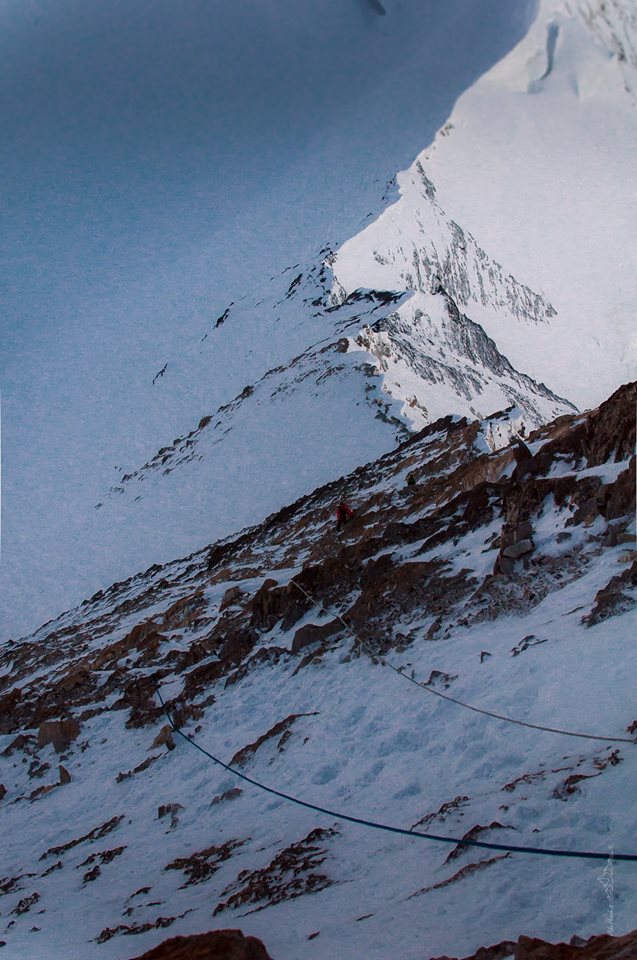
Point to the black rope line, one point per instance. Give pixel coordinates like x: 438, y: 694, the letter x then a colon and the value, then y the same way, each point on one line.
x: 460, y: 703
x: 402, y: 831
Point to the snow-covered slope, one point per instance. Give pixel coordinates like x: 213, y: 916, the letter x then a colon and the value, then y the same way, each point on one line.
x: 539, y: 160
x: 504, y: 579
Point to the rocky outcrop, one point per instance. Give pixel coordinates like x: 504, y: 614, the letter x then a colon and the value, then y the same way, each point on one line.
x: 604, y: 947
x: 203, y: 864
x: 216, y: 945
x: 619, y: 594
x: 58, y: 732
x: 291, y: 874
x: 184, y: 612
x: 280, y: 730
x: 610, y: 432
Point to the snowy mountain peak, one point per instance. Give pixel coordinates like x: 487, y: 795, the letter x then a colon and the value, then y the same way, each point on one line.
x: 415, y: 246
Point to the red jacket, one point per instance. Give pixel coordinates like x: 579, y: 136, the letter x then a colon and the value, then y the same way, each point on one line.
x: 344, y: 512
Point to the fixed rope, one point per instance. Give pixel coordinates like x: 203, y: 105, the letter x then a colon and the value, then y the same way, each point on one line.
x: 388, y: 828
x: 376, y: 657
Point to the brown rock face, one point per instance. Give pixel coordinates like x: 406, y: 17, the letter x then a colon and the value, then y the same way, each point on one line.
x: 617, y: 595
x: 620, y: 498
x: 611, y: 430
x: 217, y: 945
x: 183, y: 612
x: 58, y: 732
x: 525, y: 463
x: 266, y: 605
x: 230, y: 597
x: 8, y: 703
x: 312, y: 632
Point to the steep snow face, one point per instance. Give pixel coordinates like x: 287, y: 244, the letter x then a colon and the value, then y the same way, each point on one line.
x: 505, y: 580
x: 539, y: 159
x: 614, y: 24
x: 432, y: 355
x: 414, y: 246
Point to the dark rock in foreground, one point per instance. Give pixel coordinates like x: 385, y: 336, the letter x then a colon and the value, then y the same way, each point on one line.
x: 216, y: 945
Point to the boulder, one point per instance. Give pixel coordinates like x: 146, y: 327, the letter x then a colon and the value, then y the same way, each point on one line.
x: 230, y: 597
x: 216, y: 945
x: 58, y: 732
x: 519, y: 549
x: 164, y: 738
x: 313, y: 633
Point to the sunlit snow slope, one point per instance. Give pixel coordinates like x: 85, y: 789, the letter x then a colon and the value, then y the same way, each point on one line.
x: 540, y: 157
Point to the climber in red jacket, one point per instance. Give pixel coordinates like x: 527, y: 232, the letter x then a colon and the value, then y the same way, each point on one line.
x: 343, y: 513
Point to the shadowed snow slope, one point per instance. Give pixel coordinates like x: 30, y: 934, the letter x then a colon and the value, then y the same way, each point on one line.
x: 503, y: 578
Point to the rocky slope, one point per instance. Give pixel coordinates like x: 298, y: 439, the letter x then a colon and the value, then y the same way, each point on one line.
x: 319, y: 664
x: 604, y: 947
